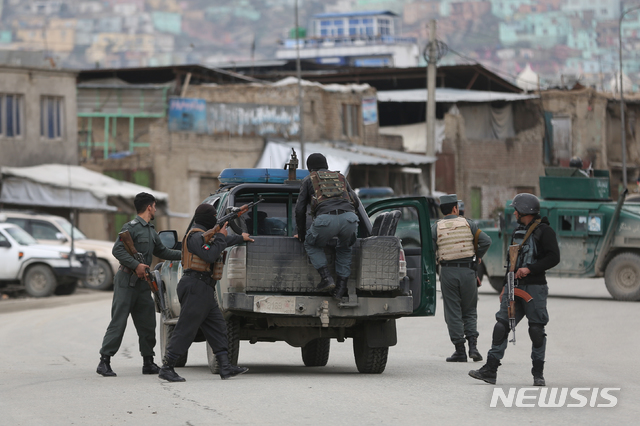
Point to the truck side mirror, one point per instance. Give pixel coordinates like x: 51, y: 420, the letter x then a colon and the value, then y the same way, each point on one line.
x: 169, y: 239
x: 60, y: 237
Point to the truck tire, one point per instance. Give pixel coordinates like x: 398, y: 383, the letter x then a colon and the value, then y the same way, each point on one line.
x: 102, y: 279
x: 369, y: 360
x: 166, y: 330
x: 39, y: 281
x: 497, y: 283
x: 316, y: 352
x: 622, y: 276
x: 233, y: 338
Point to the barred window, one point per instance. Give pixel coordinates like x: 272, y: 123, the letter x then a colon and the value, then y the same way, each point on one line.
x: 11, y: 115
x: 51, y: 117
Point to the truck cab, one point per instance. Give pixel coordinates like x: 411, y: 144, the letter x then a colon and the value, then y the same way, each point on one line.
x: 267, y: 290
x: 597, y: 237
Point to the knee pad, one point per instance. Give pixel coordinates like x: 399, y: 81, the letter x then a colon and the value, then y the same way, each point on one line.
x: 537, y: 334
x: 500, y: 333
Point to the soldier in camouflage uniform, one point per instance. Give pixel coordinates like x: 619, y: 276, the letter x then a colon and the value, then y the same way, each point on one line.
x: 455, y: 238
x: 333, y: 208
x: 131, y: 292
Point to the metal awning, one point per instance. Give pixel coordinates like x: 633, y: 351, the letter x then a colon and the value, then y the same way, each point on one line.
x: 340, y: 155
x: 66, y: 186
x: 448, y: 95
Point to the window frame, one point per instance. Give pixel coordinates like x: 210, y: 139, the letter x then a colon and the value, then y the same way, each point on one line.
x: 17, y: 119
x: 350, y: 116
x: 58, y: 117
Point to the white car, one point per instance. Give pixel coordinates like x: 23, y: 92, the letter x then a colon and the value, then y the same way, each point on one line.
x: 39, y: 269
x: 56, y: 230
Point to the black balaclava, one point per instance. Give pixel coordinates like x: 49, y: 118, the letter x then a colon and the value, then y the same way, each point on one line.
x: 316, y: 162
x: 205, y: 215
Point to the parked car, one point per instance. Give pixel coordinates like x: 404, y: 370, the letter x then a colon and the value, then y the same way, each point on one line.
x: 39, y: 269
x: 56, y: 230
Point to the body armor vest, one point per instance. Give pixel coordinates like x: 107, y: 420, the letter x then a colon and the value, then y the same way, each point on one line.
x: 528, y: 251
x: 455, y: 240
x: 190, y: 260
x: 327, y: 185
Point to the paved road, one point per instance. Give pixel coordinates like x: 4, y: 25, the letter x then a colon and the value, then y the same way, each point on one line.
x: 49, y: 351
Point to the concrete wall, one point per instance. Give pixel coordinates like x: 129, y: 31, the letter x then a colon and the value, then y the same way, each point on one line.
x: 30, y: 149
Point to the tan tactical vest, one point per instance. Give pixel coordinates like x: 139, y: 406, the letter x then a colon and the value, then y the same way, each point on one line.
x: 190, y: 260
x: 455, y: 240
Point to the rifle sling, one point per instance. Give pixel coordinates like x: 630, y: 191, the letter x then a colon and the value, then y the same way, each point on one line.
x: 529, y: 232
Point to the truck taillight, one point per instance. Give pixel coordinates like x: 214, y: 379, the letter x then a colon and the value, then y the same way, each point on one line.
x: 237, y: 268
x: 403, y: 265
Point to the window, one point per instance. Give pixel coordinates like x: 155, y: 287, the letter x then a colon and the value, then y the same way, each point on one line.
x: 51, y: 117
x: 269, y: 217
x: 350, y: 122
x: 43, y: 230
x: 11, y: 113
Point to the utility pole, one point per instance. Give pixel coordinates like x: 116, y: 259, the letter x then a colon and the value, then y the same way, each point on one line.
x: 431, y: 102
x: 303, y: 160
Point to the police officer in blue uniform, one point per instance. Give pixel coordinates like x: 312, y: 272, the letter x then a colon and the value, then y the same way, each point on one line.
x: 333, y: 205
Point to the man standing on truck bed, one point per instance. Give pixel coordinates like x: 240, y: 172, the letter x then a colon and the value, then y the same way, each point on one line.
x: 197, y: 295
x: 333, y: 204
x: 457, y: 240
x: 538, y: 252
x: 131, y: 292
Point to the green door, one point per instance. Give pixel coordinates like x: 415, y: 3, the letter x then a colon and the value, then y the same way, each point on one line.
x: 415, y: 232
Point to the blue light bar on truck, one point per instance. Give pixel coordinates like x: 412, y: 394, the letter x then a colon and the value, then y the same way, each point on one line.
x: 228, y: 176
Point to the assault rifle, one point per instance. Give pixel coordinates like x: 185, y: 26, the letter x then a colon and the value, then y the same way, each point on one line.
x: 511, y: 290
x: 234, y: 213
x: 126, y: 239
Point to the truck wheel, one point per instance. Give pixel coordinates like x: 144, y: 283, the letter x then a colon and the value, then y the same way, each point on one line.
x: 369, y: 360
x: 316, y: 352
x: 39, y: 281
x: 497, y: 283
x: 102, y: 279
x: 165, y: 335
x: 622, y: 277
x: 233, y: 338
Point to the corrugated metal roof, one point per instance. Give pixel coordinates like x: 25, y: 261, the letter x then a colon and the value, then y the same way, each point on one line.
x: 340, y: 155
x: 444, y: 94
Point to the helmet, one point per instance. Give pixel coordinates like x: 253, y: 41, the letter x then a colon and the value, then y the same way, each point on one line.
x: 575, y: 162
x: 526, y: 204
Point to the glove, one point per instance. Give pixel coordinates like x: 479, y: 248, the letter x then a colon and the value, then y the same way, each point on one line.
x: 301, y: 236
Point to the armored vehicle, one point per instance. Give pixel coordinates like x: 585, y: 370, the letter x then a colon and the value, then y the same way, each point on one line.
x: 597, y: 236
x: 267, y: 290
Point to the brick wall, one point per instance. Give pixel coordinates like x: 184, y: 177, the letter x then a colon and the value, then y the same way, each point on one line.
x: 497, y: 167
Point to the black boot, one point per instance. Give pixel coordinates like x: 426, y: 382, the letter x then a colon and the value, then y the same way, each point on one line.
x: 487, y: 372
x: 228, y: 370
x: 538, y: 368
x: 459, y: 355
x: 148, y: 366
x: 341, y: 288
x: 326, y: 284
x: 473, y: 349
x: 104, y: 368
x: 168, y: 373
